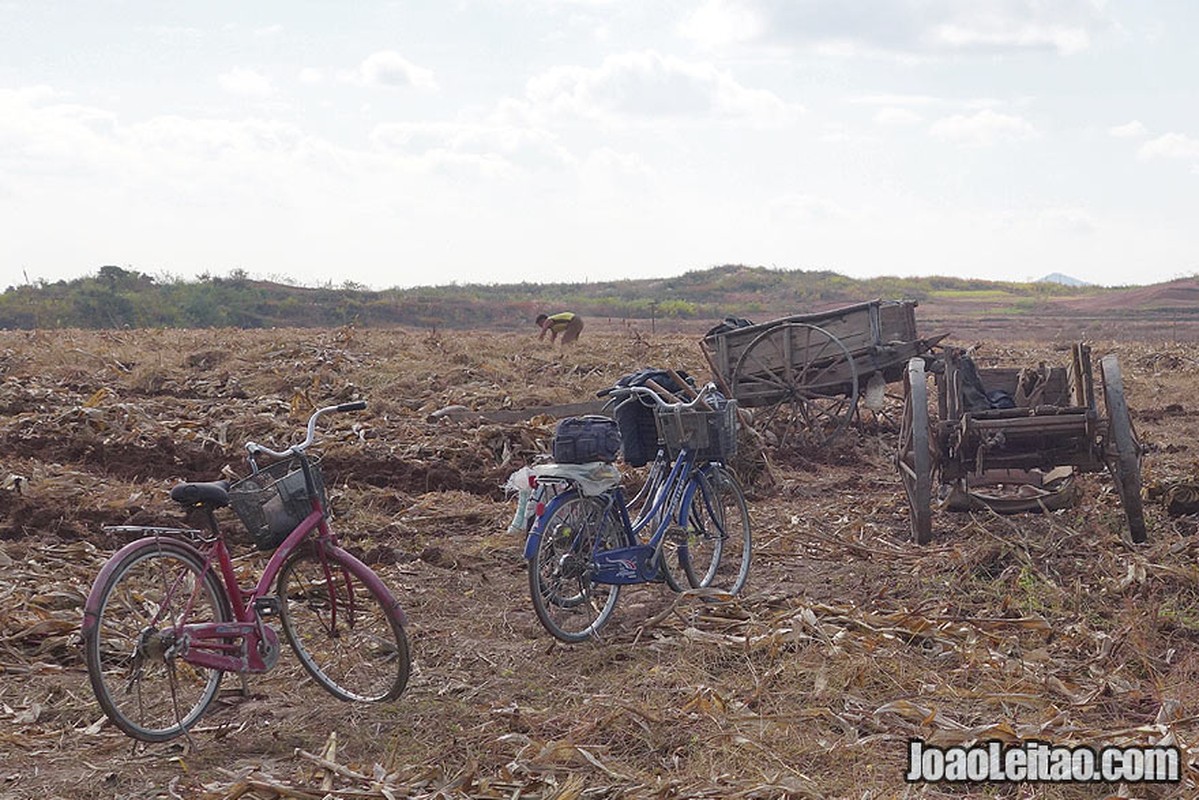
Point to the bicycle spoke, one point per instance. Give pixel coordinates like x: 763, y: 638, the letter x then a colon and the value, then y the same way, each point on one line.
x: 571, y: 605
x: 345, y: 635
x: 141, y: 682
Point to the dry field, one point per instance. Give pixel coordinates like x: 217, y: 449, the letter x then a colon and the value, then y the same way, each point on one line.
x: 848, y: 642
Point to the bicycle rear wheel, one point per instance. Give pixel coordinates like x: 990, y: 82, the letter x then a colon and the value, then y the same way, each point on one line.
x: 343, y: 625
x: 133, y: 652
x: 717, y: 549
x: 568, y: 602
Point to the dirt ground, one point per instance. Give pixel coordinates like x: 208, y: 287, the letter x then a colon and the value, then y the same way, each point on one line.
x: 849, y: 641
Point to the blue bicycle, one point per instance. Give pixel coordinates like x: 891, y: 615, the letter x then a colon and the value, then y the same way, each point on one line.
x: 689, y: 525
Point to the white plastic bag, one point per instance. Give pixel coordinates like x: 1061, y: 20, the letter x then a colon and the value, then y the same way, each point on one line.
x: 520, y: 483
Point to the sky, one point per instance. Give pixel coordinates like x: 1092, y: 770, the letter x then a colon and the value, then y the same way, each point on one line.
x: 429, y: 142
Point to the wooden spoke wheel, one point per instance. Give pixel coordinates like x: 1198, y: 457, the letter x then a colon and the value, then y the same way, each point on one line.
x: 1123, y: 451
x: 804, y: 376
x: 915, y: 455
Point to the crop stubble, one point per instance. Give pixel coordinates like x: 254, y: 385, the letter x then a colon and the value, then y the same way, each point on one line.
x: 849, y: 641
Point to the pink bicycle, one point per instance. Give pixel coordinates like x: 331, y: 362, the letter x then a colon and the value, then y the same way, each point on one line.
x: 166, y: 618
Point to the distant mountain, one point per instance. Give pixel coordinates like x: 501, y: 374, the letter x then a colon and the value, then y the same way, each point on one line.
x: 1064, y: 280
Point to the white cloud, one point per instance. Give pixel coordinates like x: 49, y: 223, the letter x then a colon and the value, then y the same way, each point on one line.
x: 161, y: 163
x: 1130, y: 130
x: 493, y: 147
x: 649, y: 86
x: 311, y: 76
x: 988, y: 32
x: 28, y: 96
x: 1067, y: 218
x: 722, y: 22
x: 607, y: 177
x: 982, y: 129
x: 798, y: 208
x: 1171, y: 145
x: 389, y: 68
x: 897, y: 117
x: 905, y: 27
x: 176, y: 37
x: 980, y: 103
x: 41, y: 137
x: 896, y: 100
x: 246, y: 83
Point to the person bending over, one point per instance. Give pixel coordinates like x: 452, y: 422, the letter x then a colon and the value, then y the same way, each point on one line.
x: 567, y: 323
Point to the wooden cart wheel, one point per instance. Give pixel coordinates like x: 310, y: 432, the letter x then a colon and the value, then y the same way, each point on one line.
x: 915, y: 457
x: 805, y: 375
x: 1123, y: 450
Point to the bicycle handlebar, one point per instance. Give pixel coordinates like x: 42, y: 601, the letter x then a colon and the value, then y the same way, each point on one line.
x: 700, y: 399
x: 256, y: 449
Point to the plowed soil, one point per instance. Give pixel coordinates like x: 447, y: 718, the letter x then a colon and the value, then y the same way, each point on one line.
x: 849, y: 641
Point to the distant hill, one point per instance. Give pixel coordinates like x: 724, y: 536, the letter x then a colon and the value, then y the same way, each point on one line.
x: 116, y: 297
x: 1174, y: 299
x: 1064, y: 280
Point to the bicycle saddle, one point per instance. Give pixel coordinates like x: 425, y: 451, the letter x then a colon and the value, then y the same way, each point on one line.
x: 212, y: 493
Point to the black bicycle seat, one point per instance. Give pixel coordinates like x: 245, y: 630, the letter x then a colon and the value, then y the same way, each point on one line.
x: 211, y: 493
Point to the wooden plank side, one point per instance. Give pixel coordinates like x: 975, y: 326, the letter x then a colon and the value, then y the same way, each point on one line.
x: 852, y: 329
x: 897, y: 322
x: 860, y: 328
x: 787, y: 350
x: 738, y: 339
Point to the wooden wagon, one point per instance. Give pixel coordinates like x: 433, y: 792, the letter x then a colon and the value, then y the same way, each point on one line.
x: 1027, y: 421
x: 807, y: 371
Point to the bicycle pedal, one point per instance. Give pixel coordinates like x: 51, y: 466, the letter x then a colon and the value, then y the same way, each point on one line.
x: 267, y: 606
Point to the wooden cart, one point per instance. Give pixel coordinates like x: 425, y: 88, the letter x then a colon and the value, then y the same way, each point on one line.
x: 808, y: 370
x: 1055, y: 422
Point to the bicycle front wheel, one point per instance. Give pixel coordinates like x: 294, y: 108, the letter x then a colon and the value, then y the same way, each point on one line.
x: 343, y: 625
x: 135, y: 648
x: 716, y: 552
x: 568, y: 602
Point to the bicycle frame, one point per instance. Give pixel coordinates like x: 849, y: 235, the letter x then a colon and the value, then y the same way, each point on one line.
x: 628, y: 564
x: 654, y: 479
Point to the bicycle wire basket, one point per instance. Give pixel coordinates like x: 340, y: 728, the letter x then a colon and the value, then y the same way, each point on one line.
x: 274, y: 500
x: 709, y: 433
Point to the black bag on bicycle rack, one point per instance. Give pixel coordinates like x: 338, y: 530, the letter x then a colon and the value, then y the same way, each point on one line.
x: 581, y: 440
x: 635, y: 418
x: 638, y: 432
